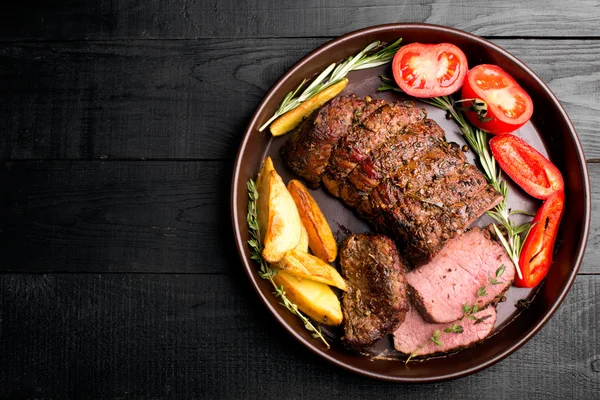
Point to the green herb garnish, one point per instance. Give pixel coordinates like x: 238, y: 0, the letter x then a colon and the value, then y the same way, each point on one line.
x: 456, y: 328
x: 511, y: 235
x: 481, y: 292
x: 499, y: 272
x: 468, y: 311
x: 436, y: 338
x: 265, y: 271
x: 335, y: 73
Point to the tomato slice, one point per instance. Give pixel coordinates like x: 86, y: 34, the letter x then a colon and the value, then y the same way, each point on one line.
x: 508, y: 104
x: 430, y: 70
x: 526, y: 166
x: 536, y: 255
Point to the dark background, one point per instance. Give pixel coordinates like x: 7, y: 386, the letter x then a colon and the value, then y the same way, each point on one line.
x: 119, y: 122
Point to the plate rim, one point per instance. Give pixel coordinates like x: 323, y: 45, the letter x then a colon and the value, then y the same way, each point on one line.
x: 236, y: 187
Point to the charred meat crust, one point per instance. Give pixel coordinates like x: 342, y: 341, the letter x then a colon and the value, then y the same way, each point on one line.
x: 309, y: 149
x: 395, y: 169
x: 383, y: 124
x: 376, y: 301
x: 424, y: 219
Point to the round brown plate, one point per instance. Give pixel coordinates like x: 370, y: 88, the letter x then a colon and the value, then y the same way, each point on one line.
x: 550, y: 131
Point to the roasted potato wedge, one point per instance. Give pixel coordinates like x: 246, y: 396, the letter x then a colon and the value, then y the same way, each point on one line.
x: 304, y: 265
x: 315, y: 299
x: 292, y: 118
x: 278, y: 218
x: 320, y: 238
x: 303, y: 245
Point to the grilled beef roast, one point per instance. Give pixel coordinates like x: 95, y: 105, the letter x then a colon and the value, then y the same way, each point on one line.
x: 376, y: 301
x: 395, y: 168
x: 310, y: 146
x: 396, y: 158
x: 414, y: 335
x: 426, y: 218
x: 453, y: 278
x: 383, y: 124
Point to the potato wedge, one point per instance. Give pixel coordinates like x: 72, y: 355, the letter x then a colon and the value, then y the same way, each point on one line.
x: 314, y: 299
x: 304, y: 265
x: 292, y: 118
x: 278, y: 218
x: 320, y: 238
x: 303, y: 245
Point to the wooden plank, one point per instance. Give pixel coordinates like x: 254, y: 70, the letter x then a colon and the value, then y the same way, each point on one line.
x: 192, y: 336
x: 117, y: 216
x: 149, y: 99
x: 69, y: 19
x: 193, y: 99
x: 126, y: 216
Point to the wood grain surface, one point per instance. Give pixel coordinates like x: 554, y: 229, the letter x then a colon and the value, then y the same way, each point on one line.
x: 119, y: 122
x: 71, y: 19
x: 124, y: 216
x: 181, y: 99
x: 139, y: 216
x: 203, y: 337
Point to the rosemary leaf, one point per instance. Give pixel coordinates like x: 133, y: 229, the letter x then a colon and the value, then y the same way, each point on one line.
x: 335, y: 73
x: 511, y: 236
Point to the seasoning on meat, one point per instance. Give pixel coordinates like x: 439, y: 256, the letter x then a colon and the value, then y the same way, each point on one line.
x: 376, y: 300
x: 453, y: 278
x: 413, y: 337
x: 395, y: 168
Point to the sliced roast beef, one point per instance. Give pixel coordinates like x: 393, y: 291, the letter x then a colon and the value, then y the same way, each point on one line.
x: 424, y: 219
x: 401, y: 155
x: 395, y: 168
x: 391, y: 158
x: 418, y: 177
x: 472, y: 269
x: 381, y: 125
x: 414, y: 336
x: 309, y: 148
x: 376, y: 300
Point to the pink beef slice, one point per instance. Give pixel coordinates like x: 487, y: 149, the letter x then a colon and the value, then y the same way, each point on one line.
x: 452, y: 279
x: 415, y: 333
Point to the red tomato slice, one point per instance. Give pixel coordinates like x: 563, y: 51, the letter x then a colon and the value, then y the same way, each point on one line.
x: 508, y: 105
x: 430, y: 70
x: 536, y: 255
x: 529, y: 169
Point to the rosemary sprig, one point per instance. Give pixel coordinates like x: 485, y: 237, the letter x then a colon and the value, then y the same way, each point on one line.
x: 509, y: 233
x: 468, y: 311
x: 335, y: 73
x: 265, y: 271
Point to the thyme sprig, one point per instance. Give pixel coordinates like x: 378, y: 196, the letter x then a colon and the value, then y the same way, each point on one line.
x: 265, y: 271
x: 468, y: 311
x: 511, y: 235
x: 335, y: 73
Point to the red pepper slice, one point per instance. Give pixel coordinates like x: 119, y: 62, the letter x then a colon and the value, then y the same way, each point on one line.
x: 529, y: 169
x: 536, y: 255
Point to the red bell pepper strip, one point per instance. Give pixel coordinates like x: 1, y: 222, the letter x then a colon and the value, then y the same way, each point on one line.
x: 529, y: 169
x: 536, y: 255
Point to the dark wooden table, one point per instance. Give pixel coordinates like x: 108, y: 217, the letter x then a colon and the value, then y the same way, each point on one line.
x: 119, y: 123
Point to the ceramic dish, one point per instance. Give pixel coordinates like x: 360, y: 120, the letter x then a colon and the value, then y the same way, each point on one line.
x: 549, y: 130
